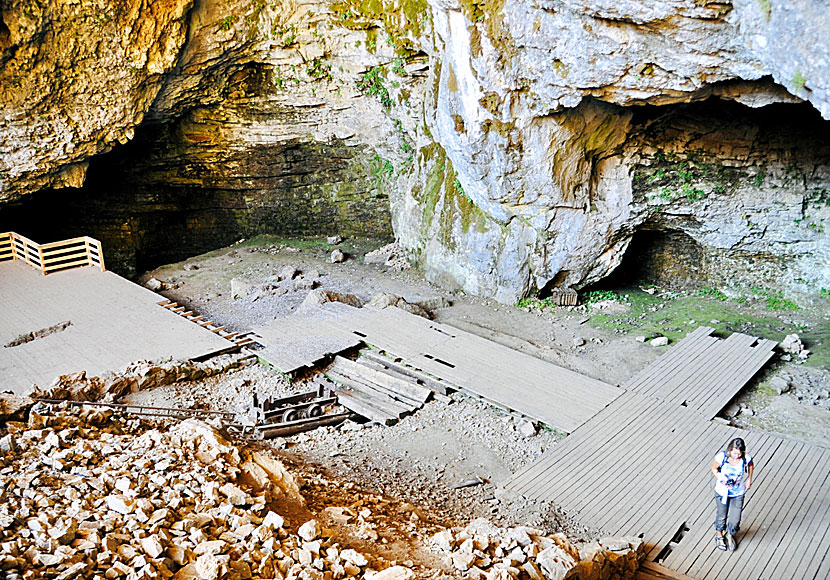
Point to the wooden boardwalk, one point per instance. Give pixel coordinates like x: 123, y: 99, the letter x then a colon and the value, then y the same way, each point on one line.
x: 113, y: 323
x: 641, y: 467
x: 551, y: 394
x: 703, y: 373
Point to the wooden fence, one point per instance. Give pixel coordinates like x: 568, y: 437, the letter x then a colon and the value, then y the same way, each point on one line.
x: 54, y: 257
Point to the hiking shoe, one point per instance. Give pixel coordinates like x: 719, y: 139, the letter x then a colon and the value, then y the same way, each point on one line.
x: 720, y: 543
x: 730, y: 540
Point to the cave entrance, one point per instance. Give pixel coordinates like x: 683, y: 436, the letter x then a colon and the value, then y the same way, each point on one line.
x: 664, y: 257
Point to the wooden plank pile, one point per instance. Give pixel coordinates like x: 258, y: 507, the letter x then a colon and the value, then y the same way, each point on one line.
x: 564, y: 297
x: 378, y: 389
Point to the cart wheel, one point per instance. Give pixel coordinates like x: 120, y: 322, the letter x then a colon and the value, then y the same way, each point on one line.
x: 314, y: 410
x: 289, y: 415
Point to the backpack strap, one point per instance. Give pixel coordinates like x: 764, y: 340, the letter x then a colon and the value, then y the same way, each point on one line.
x: 722, y: 460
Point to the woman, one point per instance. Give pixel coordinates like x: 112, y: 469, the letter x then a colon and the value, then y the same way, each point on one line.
x: 733, y: 470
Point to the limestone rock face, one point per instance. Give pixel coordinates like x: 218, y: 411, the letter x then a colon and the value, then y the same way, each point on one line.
x: 534, y: 114
x: 77, y: 78
x: 516, y: 146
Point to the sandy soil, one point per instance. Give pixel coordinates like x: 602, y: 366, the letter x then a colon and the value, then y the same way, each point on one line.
x: 420, y: 459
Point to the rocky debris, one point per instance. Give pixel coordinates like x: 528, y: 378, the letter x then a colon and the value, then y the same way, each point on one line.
x: 288, y: 273
x: 138, y: 376
x: 321, y: 296
x: 337, y: 256
x: 390, y: 256
x: 14, y: 408
x: 240, y: 288
x: 780, y: 385
x: 526, y: 428
x: 483, y: 550
x: 86, y: 493
x: 155, y: 285
x: 385, y: 299
x: 792, y: 345
x: 659, y: 341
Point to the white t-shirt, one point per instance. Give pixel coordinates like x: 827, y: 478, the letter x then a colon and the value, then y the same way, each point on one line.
x: 734, y: 472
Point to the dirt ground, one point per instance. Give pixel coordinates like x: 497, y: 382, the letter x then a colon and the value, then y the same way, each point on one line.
x: 422, y: 460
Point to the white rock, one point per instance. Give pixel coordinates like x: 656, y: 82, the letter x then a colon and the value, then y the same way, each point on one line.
x: 273, y: 521
x: 354, y: 557
x: 395, y: 573
x: 333, y: 240
x: 337, y: 256
x: 120, y: 504
x: 240, y: 288
x: 659, y: 341
x: 309, y: 531
x: 527, y: 428
x: 640, y: 338
x: 792, y: 344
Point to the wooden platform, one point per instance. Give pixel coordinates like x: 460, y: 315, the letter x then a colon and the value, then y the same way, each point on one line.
x: 300, y: 341
x: 113, y: 322
x: 548, y: 393
x: 641, y: 466
x: 703, y: 373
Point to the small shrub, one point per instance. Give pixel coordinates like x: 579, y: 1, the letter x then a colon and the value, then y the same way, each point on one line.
x: 599, y: 296
x: 712, y: 293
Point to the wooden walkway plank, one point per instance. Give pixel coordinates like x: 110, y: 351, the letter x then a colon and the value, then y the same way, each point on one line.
x: 712, y: 377
x: 764, y: 549
x: 588, y: 447
x: 712, y: 405
x: 665, y: 369
x: 699, y: 336
x: 725, y: 355
x: 635, y: 479
x: 811, y: 519
x: 626, y: 405
x: 665, y: 509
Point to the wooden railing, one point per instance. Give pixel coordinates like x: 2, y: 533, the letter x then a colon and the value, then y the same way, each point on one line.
x: 54, y: 257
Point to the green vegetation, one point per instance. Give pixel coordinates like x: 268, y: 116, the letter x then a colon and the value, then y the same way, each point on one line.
x: 798, y: 80
x: 227, y: 22
x: 712, y: 293
x: 775, y: 300
x: 372, y: 82
x: 318, y: 69
x: 766, y: 8
x: 381, y: 169
x: 674, y: 314
x: 599, y: 296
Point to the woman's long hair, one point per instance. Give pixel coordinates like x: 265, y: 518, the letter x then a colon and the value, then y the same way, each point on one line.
x: 738, y: 444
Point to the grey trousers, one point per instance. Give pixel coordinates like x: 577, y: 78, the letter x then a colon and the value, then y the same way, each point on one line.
x: 730, y: 510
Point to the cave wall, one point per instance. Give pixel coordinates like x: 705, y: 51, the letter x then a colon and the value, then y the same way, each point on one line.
x: 518, y: 143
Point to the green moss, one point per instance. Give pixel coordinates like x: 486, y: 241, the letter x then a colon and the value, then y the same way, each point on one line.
x: 403, y: 20
x: 490, y: 15
x: 491, y: 102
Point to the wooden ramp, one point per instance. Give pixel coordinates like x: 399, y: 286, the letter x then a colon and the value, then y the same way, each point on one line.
x: 641, y: 467
x: 300, y: 341
x: 553, y: 395
x: 704, y: 373
x: 113, y: 323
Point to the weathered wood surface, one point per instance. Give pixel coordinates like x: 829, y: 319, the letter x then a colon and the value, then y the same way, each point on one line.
x: 300, y: 341
x: 554, y: 395
x: 114, y: 323
x: 641, y: 466
x: 702, y: 372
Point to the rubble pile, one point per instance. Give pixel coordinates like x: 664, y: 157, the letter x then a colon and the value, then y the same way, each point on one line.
x: 390, y: 256
x: 484, y: 551
x: 138, y: 376
x: 83, y: 495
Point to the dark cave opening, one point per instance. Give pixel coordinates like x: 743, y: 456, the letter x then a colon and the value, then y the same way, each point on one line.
x: 167, y: 195
x: 666, y: 258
